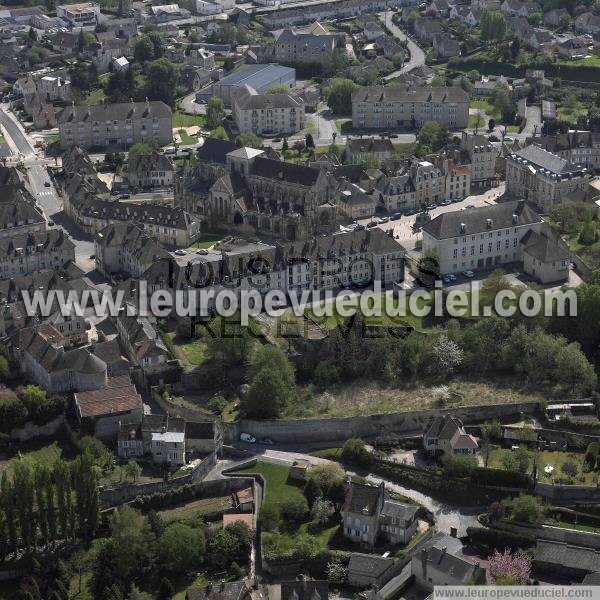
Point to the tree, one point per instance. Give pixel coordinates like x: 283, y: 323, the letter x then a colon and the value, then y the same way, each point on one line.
x: 101, y: 455
x: 337, y: 573
x: 163, y: 76
x: 133, y: 470
x: 574, y: 369
x: 355, y: 452
x: 270, y: 356
x: 215, y: 112
x: 433, y: 135
x: 310, y: 142
x: 249, y: 140
x: 522, y: 459
x: 493, y: 26
x: 267, y: 395
x: 570, y: 468
x: 284, y: 146
x: 294, y: 509
x: 143, y: 50
x: 279, y: 89
x: 230, y: 544
x: 329, y: 479
x: 165, y: 589
x: 459, y: 465
x: 526, y: 508
x: 181, y: 548
x: 496, y: 511
x: 515, y: 567
x: 339, y: 95
x: 447, y: 355
x: 321, y: 511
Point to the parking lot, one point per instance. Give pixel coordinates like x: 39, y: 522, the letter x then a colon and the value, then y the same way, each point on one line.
x: 403, y: 227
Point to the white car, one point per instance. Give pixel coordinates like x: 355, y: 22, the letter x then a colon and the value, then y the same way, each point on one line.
x: 246, y: 437
x: 469, y: 274
x: 180, y: 252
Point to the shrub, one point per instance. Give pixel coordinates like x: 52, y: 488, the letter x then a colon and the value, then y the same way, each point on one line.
x: 294, y: 509
x: 500, y: 477
x: 355, y: 452
x: 591, y: 455
x: 495, y: 539
x: 526, y: 509
x: 569, y: 468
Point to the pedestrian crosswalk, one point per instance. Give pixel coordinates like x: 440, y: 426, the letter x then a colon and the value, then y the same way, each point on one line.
x: 46, y: 193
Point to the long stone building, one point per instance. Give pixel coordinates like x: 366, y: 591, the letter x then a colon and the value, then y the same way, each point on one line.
x: 117, y: 126
x: 409, y: 108
x: 543, y: 178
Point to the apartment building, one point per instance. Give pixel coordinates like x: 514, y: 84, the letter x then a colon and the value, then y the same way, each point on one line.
x: 543, y: 178
x: 370, y: 149
x: 18, y: 211
x: 579, y: 147
x: 480, y: 238
x: 482, y: 156
x: 79, y: 15
x: 150, y: 171
x: 266, y: 114
x: 116, y: 126
x: 291, y: 47
x: 29, y: 252
x: 402, y: 107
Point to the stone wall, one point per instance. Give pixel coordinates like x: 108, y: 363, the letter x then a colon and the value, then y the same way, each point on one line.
x: 116, y: 496
x: 568, y: 494
x: 30, y: 430
x: 404, y: 424
x: 555, y: 534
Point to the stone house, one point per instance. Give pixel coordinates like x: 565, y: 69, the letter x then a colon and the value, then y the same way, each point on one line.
x: 367, y: 514
x: 142, y: 344
x: 150, y: 171
x: 446, y: 435
x: 361, y: 150
x: 203, y: 437
x: 426, y: 29
x: 370, y: 570
x: 587, y: 23
x: 546, y: 257
x: 445, y: 47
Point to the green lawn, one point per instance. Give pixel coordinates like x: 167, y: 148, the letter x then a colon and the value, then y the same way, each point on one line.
x: 205, y: 506
x: 41, y: 452
x: 490, y: 110
x: 545, y: 458
x: 190, y: 352
x: 571, y: 113
x: 329, y: 453
x: 96, y: 97
x: 206, y: 242
x: 181, y: 119
x: 278, y: 488
x: 339, y: 123
x: 593, y: 60
x: 187, y: 139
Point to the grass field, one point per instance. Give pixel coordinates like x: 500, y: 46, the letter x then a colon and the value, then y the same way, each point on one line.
x: 278, y: 487
x: 571, y: 113
x: 181, y: 119
x: 190, y: 352
x: 187, y: 139
x: 96, y: 97
x: 489, y: 109
x: 365, y: 397
x: 198, y: 508
x: 206, y: 242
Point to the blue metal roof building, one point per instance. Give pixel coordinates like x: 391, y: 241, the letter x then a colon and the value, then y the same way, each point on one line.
x: 260, y: 77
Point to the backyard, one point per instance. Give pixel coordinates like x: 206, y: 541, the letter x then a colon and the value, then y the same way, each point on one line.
x: 550, y: 465
x: 190, y: 352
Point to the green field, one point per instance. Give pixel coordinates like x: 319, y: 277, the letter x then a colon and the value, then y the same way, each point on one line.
x: 278, y: 488
x: 186, y: 139
x: 206, y: 242
x: 96, y: 97
x: 181, y: 119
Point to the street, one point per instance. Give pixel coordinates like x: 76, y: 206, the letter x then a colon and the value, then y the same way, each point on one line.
x: 46, y: 196
x: 417, y: 56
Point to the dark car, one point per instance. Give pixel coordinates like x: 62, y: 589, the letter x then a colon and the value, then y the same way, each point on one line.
x: 125, y: 196
x: 266, y: 441
x: 46, y: 184
x: 396, y: 216
x: 372, y: 224
x: 360, y: 227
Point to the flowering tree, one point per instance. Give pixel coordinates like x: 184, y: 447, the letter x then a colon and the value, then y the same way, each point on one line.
x: 447, y: 354
x: 510, y: 568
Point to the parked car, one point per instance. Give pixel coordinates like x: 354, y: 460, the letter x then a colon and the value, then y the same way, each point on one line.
x: 170, y: 150
x: 202, y: 251
x: 359, y: 227
x: 180, y: 252
x: 246, y: 437
x: 46, y: 184
x: 445, y: 203
x: 384, y: 219
x: 432, y: 206
x: 396, y: 216
x: 446, y: 279
x: 469, y: 274
x: 125, y: 196
x: 266, y: 441
x: 372, y: 224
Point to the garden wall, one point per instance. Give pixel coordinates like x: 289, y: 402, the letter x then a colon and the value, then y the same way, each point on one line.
x: 555, y: 534
x: 404, y: 424
x: 116, y: 496
x: 567, y: 494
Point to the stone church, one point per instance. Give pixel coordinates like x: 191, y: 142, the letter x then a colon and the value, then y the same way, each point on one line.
x: 264, y: 196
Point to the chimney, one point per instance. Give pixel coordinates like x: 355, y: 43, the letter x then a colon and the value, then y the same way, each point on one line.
x: 453, y: 532
x: 515, y: 219
x: 489, y: 223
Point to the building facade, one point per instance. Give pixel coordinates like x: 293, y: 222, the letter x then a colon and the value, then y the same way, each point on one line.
x: 117, y: 126
x: 407, y: 108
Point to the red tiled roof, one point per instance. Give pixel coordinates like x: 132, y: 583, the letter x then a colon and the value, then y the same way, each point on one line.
x: 119, y: 396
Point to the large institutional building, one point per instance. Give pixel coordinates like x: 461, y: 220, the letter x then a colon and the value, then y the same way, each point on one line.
x: 542, y: 178
x: 116, y: 126
x: 380, y: 107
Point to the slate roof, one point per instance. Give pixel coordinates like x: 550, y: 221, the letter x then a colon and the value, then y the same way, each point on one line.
x: 215, y: 150
x: 448, y: 225
x: 362, y: 499
x: 565, y: 555
x: 405, y: 94
x: 115, y: 112
x: 304, y: 590
x: 110, y: 353
x: 399, y: 510
x: 545, y: 246
x: 246, y: 97
x: 370, y: 565
x: 196, y: 430
x: 150, y: 162
x: 17, y: 206
x: 289, y: 172
x: 546, y: 160
x: 369, y: 145
x: 43, y: 241
x: 460, y: 569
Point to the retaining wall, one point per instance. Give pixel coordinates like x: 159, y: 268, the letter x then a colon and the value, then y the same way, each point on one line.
x: 568, y: 494
x: 555, y: 534
x: 401, y: 424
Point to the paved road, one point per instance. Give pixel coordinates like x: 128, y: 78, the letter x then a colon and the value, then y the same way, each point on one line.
x: 417, y: 56
x: 446, y: 515
x: 533, y: 116
x: 47, y: 197
x: 189, y: 105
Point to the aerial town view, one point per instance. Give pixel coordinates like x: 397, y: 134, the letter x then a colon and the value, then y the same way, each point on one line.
x: 300, y: 299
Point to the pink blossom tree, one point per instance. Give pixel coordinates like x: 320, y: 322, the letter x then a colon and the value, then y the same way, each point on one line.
x: 507, y: 568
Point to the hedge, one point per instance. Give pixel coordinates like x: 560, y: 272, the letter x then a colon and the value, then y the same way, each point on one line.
x: 496, y: 539
x: 500, y: 477
x: 591, y: 454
